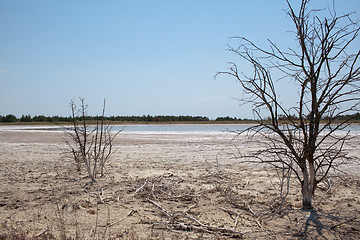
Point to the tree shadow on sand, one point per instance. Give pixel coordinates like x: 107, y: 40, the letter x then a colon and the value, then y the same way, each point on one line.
x: 313, y: 219
x: 319, y: 225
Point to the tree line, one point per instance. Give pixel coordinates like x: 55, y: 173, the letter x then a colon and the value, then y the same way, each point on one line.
x: 10, y: 118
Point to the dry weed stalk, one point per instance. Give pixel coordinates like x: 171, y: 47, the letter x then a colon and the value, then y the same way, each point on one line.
x: 90, y: 145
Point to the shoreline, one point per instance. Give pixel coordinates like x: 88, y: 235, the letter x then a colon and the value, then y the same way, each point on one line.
x: 132, y: 123
x: 137, y: 128
x: 160, y: 128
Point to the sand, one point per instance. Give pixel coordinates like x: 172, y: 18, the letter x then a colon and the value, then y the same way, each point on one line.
x: 164, y: 186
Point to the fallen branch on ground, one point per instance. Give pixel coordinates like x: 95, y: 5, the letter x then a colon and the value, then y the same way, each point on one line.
x: 142, y: 186
x: 198, y: 226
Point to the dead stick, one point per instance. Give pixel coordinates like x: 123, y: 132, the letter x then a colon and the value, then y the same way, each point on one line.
x: 41, y: 233
x: 215, y: 229
x: 229, y: 211
x: 236, y: 221
x: 142, y: 186
x: 248, y: 207
x: 160, y: 207
x: 189, y: 208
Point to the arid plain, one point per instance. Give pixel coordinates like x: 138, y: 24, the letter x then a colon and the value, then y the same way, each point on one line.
x: 165, y: 186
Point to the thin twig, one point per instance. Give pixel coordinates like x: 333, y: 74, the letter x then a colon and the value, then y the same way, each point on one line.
x: 161, y: 208
x: 41, y: 233
x: 141, y: 187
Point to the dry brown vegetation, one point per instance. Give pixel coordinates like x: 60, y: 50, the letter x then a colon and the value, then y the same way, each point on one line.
x: 164, y: 186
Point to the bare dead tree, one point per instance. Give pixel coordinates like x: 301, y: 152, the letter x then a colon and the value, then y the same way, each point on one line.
x: 90, y: 145
x: 303, y: 138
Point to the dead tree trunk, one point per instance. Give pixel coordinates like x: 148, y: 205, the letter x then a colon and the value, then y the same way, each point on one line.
x: 308, y: 184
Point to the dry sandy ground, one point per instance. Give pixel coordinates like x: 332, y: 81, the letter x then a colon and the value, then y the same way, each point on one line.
x: 164, y: 186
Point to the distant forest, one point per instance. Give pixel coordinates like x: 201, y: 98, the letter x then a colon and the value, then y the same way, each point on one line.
x: 145, y: 118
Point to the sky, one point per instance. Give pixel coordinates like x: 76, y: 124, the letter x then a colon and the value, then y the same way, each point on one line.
x: 143, y: 57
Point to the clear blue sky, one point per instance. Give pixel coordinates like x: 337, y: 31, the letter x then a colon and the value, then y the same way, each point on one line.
x: 144, y: 57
